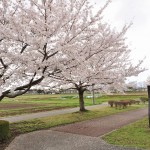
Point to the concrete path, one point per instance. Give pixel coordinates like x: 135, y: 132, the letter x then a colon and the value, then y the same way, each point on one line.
x: 53, y: 140
x: 18, y: 118
x: 98, y: 127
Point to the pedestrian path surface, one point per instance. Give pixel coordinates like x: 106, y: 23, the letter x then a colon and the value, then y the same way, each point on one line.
x: 98, y: 127
x: 53, y: 140
x: 81, y: 136
x: 18, y: 118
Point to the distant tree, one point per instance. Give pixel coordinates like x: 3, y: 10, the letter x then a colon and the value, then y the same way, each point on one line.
x: 132, y: 85
x: 39, y: 91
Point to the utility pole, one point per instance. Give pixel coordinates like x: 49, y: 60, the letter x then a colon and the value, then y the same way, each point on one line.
x: 93, y: 99
x: 148, y: 90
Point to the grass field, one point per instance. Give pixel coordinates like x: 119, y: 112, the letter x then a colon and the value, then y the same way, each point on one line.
x: 48, y: 122
x: 134, y: 135
x: 32, y: 103
x: 36, y: 103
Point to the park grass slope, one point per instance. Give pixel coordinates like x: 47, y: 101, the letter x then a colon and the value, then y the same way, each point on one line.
x: 135, y: 135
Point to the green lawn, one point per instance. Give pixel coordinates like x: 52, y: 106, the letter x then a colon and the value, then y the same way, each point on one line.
x: 54, y: 101
x: 134, y: 135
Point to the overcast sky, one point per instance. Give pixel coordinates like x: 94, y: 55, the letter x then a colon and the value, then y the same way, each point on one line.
x: 121, y: 12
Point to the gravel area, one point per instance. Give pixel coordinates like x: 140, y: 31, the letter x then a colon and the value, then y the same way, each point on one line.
x: 53, y: 140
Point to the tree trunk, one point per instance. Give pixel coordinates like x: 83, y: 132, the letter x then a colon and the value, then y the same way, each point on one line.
x: 81, y: 100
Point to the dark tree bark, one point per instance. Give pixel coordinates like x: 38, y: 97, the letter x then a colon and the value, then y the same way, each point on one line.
x: 81, y: 99
x: 22, y: 89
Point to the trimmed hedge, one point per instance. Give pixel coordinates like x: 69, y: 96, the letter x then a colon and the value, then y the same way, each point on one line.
x: 4, y: 130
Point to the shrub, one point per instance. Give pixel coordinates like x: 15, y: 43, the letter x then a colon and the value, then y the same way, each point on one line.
x: 143, y: 99
x: 4, y: 130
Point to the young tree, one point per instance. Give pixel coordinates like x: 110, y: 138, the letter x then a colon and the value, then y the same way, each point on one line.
x: 33, y: 36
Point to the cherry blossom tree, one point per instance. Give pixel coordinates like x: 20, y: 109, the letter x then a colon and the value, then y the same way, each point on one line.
x: 63, y: 41
x: 33, y: 36
x: 101, y: 60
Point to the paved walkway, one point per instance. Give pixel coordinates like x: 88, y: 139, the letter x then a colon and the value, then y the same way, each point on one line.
x: 53, y: 140
x: 18, y: 118
x: 98, y: 127
x: 58, y: 138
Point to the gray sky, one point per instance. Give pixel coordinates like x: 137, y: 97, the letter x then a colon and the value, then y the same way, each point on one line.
x: 121, y: 12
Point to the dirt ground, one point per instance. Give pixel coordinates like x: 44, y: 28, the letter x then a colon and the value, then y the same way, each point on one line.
x: 16, y: 106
